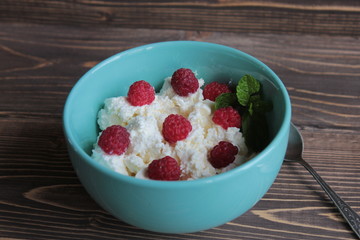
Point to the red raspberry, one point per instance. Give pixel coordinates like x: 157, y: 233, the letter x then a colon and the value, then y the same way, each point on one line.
x: 222, y: 154
x: 214, y: 89
x: 114, y: 140
x: 176, y: 128
x: 184, y: 82
x: 227, y: 117
x: 141, y: 93
x: 166, y: 169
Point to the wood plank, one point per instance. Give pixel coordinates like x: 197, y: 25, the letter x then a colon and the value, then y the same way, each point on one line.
x: 314, y: 69
x: 276, y: 16
x: 41, y: 197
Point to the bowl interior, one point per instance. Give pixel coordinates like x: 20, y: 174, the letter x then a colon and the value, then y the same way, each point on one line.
x: 154, y: 63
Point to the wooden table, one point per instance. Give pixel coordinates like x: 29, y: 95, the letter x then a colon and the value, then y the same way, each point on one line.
x: 45, y: 46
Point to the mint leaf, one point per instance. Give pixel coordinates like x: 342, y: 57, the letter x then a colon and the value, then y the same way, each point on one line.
x: 254, y: 125
x: 255, y: 131
x: 246, y: 87
x: 263, y: 106
x: 255, y: 98
x: 259, y: 105
x: 225, y: 100
x: 251, y: 108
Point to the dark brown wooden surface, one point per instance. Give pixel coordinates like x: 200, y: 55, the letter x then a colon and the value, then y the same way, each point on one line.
x: 336, y: 17
x: 42, y: 57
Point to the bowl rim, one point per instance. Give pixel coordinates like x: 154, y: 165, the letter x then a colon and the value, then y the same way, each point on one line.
x: 176, y: 184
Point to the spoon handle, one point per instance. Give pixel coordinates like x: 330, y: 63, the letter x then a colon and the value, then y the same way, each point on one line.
x: 348, y: 213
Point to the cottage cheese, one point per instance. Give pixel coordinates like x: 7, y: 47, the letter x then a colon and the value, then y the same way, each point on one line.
x: 144, y: 123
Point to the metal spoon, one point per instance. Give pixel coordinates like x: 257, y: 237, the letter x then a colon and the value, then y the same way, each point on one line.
x: 294, y: 154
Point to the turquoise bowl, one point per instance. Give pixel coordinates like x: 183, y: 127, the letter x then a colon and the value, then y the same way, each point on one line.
x: 183, y: 206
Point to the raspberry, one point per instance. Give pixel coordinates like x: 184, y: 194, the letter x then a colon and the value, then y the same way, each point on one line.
x: 227, y: 117
x: 166, y: 169
x: 114, y: 140
x: 222, y: 154
x: 141, y: 93
x: 184, y: 82
x: 176, y: 128
x: 214, y: 89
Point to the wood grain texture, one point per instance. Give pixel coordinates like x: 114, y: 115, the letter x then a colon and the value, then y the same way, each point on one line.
x: 41, y: 197
x: 334, y: 17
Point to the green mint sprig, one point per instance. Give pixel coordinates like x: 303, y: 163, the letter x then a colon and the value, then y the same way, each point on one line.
x: 248, y: 100
x: 246, y: 88
x: 226, y: 100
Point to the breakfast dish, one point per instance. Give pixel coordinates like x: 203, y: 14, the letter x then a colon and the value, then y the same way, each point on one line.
x: 165, y: 206
x: 176, y: 134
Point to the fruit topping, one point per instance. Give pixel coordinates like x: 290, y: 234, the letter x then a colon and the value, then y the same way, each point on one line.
x: 114, y: 140
x: 227, y: 117
x: 141, y: 93
x: 166, y: 169
x: 222, y: 154
x: 184, y: 82
x: 214, y: 89
x: 176, y: 128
